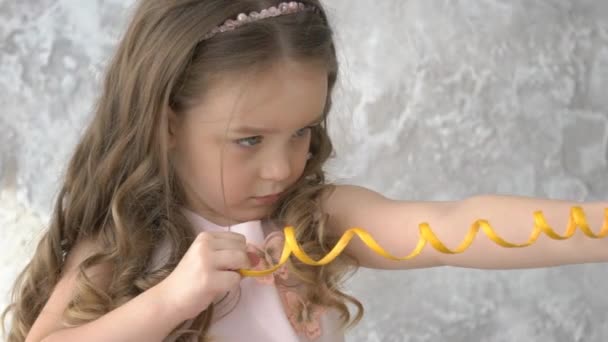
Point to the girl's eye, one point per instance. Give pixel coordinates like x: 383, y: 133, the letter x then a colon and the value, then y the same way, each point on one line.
x: 249, y: 141
x: 252, y: 141
x: 303, y: 131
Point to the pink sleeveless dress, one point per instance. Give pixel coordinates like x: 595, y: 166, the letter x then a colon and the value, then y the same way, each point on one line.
x: 262, y: 309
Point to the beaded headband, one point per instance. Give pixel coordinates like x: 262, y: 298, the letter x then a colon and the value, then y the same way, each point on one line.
x: 282, y: 9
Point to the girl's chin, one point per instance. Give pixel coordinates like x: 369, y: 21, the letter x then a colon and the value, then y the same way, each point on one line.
x: 252, y: 211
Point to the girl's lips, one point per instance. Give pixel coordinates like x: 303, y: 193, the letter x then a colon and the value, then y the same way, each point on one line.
x: 268, y: 199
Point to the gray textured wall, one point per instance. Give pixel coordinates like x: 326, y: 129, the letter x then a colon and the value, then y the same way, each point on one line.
x: 438, y: 100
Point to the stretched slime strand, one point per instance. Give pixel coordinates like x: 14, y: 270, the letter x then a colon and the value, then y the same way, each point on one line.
x: 577, y: 219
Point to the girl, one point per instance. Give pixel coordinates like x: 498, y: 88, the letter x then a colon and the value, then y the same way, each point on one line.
x: 209, y: 137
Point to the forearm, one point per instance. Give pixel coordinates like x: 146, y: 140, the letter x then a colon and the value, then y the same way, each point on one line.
x: 146, y: 317
x: 512, y: 218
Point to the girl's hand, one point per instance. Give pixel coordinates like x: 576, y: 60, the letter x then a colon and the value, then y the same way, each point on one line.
x: 207, y: 271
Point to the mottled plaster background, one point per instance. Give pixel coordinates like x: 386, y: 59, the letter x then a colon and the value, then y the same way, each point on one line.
x: 438, y: 100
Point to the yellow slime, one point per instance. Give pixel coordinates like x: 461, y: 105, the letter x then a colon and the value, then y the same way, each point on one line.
x: 577, y: 219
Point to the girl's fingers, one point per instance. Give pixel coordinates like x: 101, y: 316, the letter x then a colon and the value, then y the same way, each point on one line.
x: 231, y: 259
x: 222, y: 244
x: 224, y: 240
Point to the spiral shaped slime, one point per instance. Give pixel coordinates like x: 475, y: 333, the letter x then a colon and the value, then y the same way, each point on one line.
x: 577, y: 219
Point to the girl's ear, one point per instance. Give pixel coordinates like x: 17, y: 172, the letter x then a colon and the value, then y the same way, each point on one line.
x: 172, y: 127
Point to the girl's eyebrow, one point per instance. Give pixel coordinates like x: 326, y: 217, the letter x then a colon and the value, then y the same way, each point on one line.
x: 264, y: 130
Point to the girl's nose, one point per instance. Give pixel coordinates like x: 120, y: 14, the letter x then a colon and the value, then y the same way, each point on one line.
x: 276, y: 168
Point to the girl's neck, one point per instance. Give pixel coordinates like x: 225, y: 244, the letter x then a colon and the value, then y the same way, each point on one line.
x: 214, y: 219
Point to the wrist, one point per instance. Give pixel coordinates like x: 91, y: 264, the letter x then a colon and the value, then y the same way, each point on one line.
x: 166, y: 305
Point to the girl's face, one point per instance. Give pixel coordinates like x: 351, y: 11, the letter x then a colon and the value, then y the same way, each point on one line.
x: 254, y: 127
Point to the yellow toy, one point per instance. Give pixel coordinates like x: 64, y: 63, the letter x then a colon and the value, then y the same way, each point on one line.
x: 577, y: 219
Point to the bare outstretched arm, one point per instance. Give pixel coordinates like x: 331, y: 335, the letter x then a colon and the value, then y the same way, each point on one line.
x: 395, y: 226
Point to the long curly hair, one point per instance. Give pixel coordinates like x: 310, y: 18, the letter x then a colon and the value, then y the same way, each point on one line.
x: 120, y: 188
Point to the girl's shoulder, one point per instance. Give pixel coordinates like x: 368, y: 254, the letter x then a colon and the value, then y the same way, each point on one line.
x: 50, y: 318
